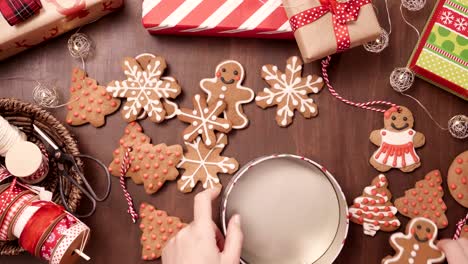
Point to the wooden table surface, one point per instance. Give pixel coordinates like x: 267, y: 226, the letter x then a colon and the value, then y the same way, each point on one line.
x: 337, y: 138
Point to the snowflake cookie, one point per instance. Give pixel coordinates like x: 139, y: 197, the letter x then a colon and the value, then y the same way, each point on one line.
x: 289, y: 91
x: 204, y: 120
x: 146, y: 91
x: 203, y: 164
x: 227, y: 86
x: 89, y: 102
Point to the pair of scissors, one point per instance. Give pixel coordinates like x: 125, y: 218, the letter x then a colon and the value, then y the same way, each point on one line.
x: 65, y: 162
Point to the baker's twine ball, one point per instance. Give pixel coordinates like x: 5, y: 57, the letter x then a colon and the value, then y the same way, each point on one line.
x: 378, y: 45
x: 45, y: 95
x: 401, y: 79
x: 458, y: 126
x: 413, y: 5
x: 79, y: 45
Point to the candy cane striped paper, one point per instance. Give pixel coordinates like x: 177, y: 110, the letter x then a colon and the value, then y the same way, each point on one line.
x: 229, y: 18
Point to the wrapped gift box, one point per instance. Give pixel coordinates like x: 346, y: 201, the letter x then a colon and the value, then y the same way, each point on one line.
x: 441, y: 57
x: 318, y: 39
x: 228, y: 18
x: 55, y: 18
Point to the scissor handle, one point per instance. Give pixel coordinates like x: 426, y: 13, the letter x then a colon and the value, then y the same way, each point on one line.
x: 64, y: 199
x: 86, y: 183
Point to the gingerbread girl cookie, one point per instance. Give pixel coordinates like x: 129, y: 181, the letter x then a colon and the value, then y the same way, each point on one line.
x: 417, y: 245
x: 227, y: 86
x: 457, y: 179
x: 397, y: 142
x: 374, y: 210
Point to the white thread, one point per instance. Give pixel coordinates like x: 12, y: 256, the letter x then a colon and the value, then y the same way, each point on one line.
x: 9, y: 135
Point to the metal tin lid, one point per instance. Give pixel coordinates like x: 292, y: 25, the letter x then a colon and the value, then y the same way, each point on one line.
x: 292, y: 211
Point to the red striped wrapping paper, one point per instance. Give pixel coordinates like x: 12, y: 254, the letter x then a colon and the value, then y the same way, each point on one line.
x: 226, y: 18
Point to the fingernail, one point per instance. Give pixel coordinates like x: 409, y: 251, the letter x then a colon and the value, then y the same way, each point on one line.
x: 236, y: 219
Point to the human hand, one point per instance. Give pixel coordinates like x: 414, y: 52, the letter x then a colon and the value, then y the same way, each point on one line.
x: 456, y: 251
x: 201, y: 242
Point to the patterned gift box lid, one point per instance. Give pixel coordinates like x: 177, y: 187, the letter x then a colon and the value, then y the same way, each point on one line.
x: 441, y: 57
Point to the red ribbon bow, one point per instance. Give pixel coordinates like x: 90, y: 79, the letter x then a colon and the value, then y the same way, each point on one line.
x: 342, y: 13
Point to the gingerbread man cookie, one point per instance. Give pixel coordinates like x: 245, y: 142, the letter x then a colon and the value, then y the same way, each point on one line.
x: 425, y: 200
x: 457, y: 179
x: 374, y: 209
x: 147, y: 92
x: 417, y: 245
x: 89, y: 102
x: 289, y: 91
x: 227, y: 86
x: 397, y: 142
x: 157, y: 229
x: 204, y: 120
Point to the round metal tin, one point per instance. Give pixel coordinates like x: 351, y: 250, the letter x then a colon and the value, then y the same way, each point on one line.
x: 292, y: 211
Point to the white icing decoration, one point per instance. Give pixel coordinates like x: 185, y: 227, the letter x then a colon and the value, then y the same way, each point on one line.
x: 394, y: 237
x: 239, y: 103
x: 291, y: 89
x: 205, y: 119
x: 368, y: 225
x: 203, y: 166
x: 140, y: 85
x: 416, y: 247
x: 397, y: 139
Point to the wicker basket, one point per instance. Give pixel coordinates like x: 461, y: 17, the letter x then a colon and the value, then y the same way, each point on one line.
x: 23, y: 115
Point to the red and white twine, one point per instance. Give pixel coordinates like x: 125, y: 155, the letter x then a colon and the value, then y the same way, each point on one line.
x: 460, y: 225
x: 365, y: 105
x: 123, y: 171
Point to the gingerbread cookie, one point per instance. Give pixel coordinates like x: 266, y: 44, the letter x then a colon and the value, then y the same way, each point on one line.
x: 457, y: 179
x: 227, y: 86
x: 464, y: 232
x: 151, y: 165
x: 374, y: 209
x: 397, y: 142
x: 146, y: 91
x: 417, y: 245
x: 89, y: 102
x: 204, y: 120
x: 289, y: 91
x: 203, y: 164
x: 425, y: 200
x: 157, y: 228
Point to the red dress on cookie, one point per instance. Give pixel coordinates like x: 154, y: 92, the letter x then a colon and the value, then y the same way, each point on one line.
x: 397, y: 149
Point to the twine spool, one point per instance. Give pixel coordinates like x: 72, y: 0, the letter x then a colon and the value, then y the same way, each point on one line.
x: 43, y: 228
x: 9, y: 136
x: 26, y: 160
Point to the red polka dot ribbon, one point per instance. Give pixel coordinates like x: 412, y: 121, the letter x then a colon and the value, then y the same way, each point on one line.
x: 342, y: 13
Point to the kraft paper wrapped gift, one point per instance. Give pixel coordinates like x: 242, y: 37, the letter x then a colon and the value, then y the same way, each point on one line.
x: 317, y: 39
x: 56, y: 17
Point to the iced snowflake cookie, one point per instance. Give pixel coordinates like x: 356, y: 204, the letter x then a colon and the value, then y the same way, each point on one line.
x: 457, y: 179
x: 157, y: 229
x: 89, y: 102
x: 150, y: 165
x: 146, y: 91
x: 204, y: 120
x: 426, y: 200
x: 289, y: 91
x: 374, y: 209
x: 397, y: 142
x: 227, y: 86
x: 203, y: 164
x: 417, y: 245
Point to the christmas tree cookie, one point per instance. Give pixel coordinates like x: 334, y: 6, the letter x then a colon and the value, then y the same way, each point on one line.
x: 89, y: 102
x: 157, y: 229
x: 457, y: 179
x: 425, y: 200
x: 374, y: 210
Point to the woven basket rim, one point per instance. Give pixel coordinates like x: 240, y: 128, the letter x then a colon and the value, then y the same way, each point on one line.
x: 23, y: 115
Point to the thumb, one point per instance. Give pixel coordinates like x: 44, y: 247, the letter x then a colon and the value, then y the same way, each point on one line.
x: 233, y: 244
